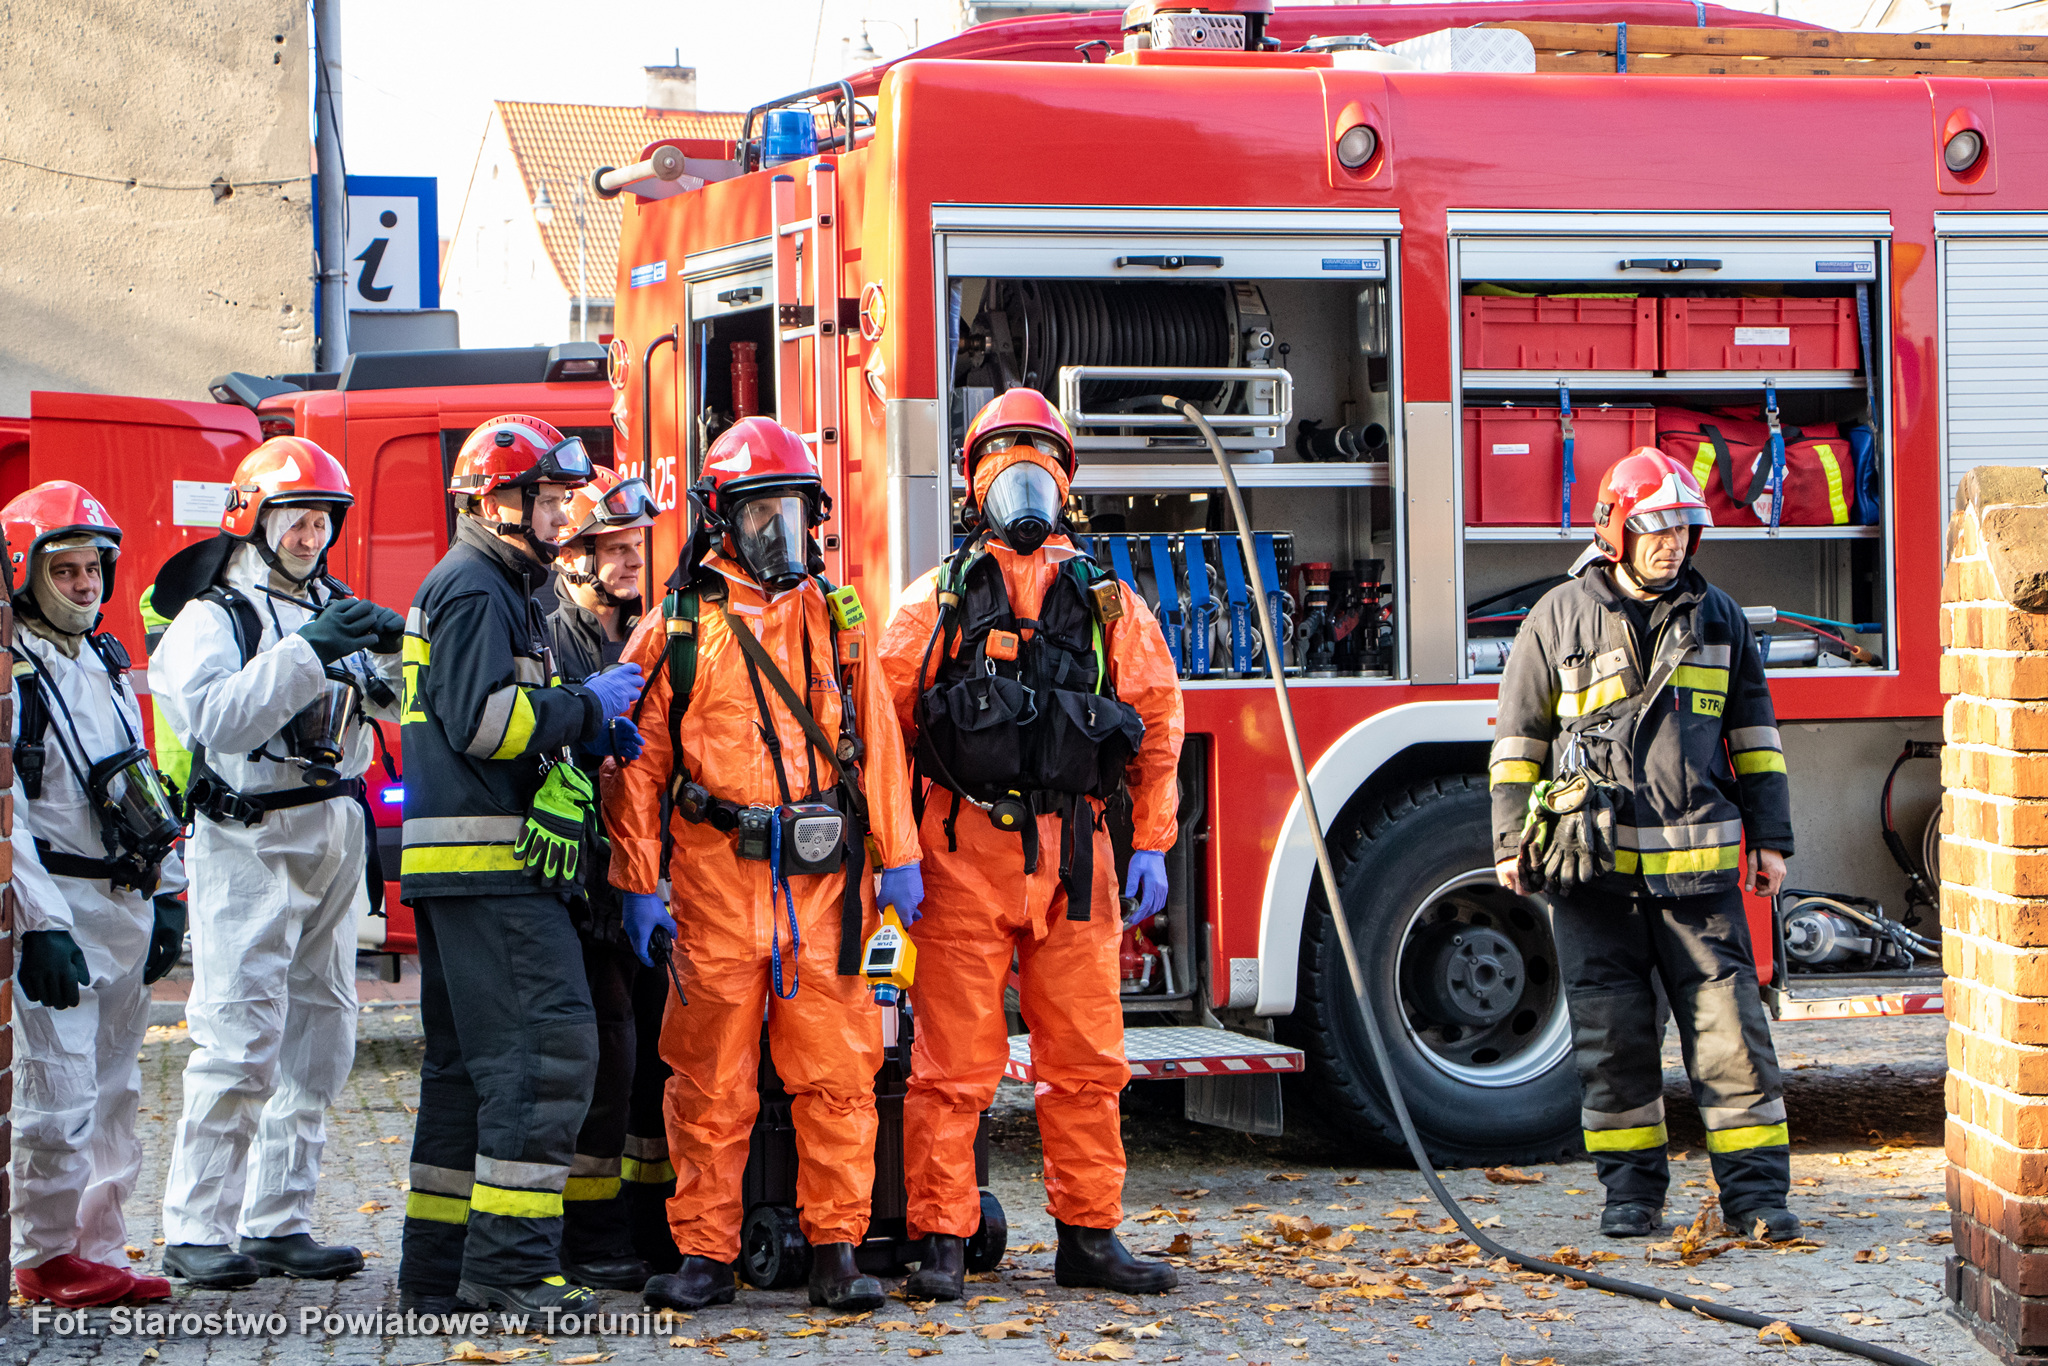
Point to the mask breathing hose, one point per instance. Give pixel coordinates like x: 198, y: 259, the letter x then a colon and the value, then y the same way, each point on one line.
x: 1820, y: 1337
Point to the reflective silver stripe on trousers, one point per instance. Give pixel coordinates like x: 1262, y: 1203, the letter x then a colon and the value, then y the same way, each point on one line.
x: 532, y: 1176
x: 441, y: 1181
x: 1755, y: 737
x: 491, y: 726
x: 647, y: 1149
x: 1722, y: 1117
x: 463, y: 829
x: 585, y: 1165
x: 1520, y: 747
x: 532, y: 672
x: 1642, y: 1117
x: 1658, y: 838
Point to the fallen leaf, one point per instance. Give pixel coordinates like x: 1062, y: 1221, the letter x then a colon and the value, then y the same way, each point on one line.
x: 135, y: 1254
x: 392, y: 1138
x: 745, y: 1335
x: 1400, y: 1213
x: 1873, y: 1255
x: 1780, y: 1330
x: 986, y: 1299
x: 1246, y: 1209
x: 1149, y: 1330
x: 1284, y: 1176
x: 812, y: 1332
x: 1007, y: 1328
x: 923, y: 1352
x: 586, y: 1359
x: 1420, y: 1320
x: 469, y: 1351
x: 371, y: 1207
x: 1513, y: 1176
x: 1295, y: 1342
x: 1191, y: 1192
x: 1181, y: 1245
x: 1110, y: 1351
x: 934, y: 1329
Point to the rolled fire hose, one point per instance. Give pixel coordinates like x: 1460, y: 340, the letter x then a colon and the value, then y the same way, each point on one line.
x: 1820, y: 1337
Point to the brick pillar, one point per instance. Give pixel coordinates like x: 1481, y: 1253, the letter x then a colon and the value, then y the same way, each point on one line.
x: 1994, y: 905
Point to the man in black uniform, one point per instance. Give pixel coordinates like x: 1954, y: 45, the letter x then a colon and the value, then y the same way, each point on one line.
x: 615, y: 1232
x: 498, y: 824
x: 1653, y: 674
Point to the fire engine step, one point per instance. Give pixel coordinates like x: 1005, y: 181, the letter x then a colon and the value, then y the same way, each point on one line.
x: 1784, y: 1006
x: 1174, y: 1053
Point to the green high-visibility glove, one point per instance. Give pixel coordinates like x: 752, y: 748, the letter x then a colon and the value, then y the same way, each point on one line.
x: 551, y: 845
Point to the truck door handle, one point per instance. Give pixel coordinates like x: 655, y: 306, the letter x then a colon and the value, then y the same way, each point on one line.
x: 1168, y: 262
x: 1671, y: 264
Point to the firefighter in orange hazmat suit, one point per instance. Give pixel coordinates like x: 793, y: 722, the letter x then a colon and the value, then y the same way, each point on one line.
x: 994, y: 659
x: 767, y: 915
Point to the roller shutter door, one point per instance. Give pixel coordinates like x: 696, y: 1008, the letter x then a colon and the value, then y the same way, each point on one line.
x: 1995, y: 358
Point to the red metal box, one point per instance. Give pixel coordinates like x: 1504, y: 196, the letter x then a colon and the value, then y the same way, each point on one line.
x: 1514, y: 461
x: 1559, y: 334
x: 1760, y: 334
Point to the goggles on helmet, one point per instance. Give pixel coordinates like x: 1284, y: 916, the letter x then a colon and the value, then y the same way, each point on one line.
x: 1667, y: 518
x: 769, y: 531
x: 1023, y: 505
x: 1039, y: 441
x: 565, y: 463
x: 630, y: 502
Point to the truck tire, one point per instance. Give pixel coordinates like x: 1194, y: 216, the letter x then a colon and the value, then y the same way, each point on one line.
x: 1464, y: 983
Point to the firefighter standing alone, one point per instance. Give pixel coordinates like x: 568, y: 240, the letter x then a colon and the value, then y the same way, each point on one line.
x: 1652, y: 674
x: 761, y: 695
x: 1036, y: 686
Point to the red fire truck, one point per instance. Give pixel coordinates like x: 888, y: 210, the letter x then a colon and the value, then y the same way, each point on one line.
x: 1410, y: 300
x: 395, y: 420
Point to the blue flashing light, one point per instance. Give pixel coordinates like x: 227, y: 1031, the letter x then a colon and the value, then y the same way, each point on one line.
x: 392, y: 796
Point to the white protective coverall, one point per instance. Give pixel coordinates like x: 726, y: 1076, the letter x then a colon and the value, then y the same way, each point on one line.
x: 77, y: 1079
x: 274, y: 909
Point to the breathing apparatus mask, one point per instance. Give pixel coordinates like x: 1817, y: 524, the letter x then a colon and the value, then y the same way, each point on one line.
x: 137, y: 822
x: 771, y: 538
x: 1023, y: 502
x: 316, y: 738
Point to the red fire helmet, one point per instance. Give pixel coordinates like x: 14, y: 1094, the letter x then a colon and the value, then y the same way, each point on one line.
x: 755, y: 454
x: 289, y: 471
x: 517, y: 451
x: 1646, y: 490
x: 56, y: 509
x: 1017, y: 419
x: 608, y: 503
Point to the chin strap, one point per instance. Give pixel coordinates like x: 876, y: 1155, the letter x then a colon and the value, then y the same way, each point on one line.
x: 544, y: 551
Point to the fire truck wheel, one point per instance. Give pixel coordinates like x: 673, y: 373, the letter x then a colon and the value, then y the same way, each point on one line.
x: 986, y: 1246
x: 1463, y: 981
x: 773, y: 1252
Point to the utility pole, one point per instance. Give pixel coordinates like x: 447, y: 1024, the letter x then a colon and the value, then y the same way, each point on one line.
x: 333, y: 206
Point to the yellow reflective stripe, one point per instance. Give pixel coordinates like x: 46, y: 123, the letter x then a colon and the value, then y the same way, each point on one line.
x: 1588, y: 700
x: 1759, y: 761
x: 1665, y: 864
x: 1514, y: 771
x: 518, y: 729
x: 1627, y: 1140
x: 1693, y: 676
x: 416, y: 650
x: 1703, y: 463
x: 460, y: 858
x: 438, y: 1209
x: 646, y: 1173
x: 1750, y: 1136
x: 1838, y: 502
x: 412, y: 712
x: 516, y: 1204
x: 590, y: 1188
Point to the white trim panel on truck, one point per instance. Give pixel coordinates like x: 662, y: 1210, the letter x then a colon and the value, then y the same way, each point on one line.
x: 1994, y: 342
x: 1342, y: 770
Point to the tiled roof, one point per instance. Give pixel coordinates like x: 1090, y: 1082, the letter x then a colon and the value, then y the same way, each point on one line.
x: 561, y: 144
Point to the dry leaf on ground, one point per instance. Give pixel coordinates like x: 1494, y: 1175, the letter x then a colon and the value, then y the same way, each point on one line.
x: 1513, y: 1176
x: 1007, y: 1328
x: 586, y: 1359
x: 371, y: 1207
x: 1779, y: 1332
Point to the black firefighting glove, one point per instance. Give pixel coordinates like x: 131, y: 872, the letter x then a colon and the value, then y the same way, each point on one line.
x: 166, y: 941
x: 344, y: 628
x: 390, y: 629
x: 52, y: 968
x: 1581, y: 844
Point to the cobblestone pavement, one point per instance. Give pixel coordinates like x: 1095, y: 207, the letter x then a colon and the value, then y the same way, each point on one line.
x: 1867, y: 1158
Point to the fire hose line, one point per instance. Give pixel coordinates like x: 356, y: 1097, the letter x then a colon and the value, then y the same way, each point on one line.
x: 1818, y: 1336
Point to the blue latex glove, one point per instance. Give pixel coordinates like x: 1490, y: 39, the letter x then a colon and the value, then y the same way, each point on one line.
x: 626, y: 743
x: 1146, y: 882
x: 644, y: 912
x: 617, y: 688
x: 902, y: 888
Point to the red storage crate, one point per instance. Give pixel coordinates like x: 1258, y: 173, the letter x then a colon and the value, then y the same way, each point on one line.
x: 1760, y: 334
x: 1514, y: 461
x: 1560, y: 334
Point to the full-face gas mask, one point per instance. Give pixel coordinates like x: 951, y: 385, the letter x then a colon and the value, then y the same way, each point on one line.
x: 770, y: 533
x: 137, y: 822
x: 316, y: 738
x: 1023, y: 505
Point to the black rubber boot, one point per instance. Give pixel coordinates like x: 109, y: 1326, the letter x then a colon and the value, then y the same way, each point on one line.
x: 612, y: 1273
x: 296, y: 1255
x: 837, y: 1282
x: 698, y: 1282
x: 1780, y: 1224
x: 555, y: 1293
x: 213, y: 1266
x: 1629, y: 1221
x: 420, y: 1302
x: 1096, y: 1259
x: 943, y: 1273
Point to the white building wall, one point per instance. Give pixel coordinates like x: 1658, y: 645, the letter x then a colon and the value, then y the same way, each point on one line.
x: 497, y: 275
